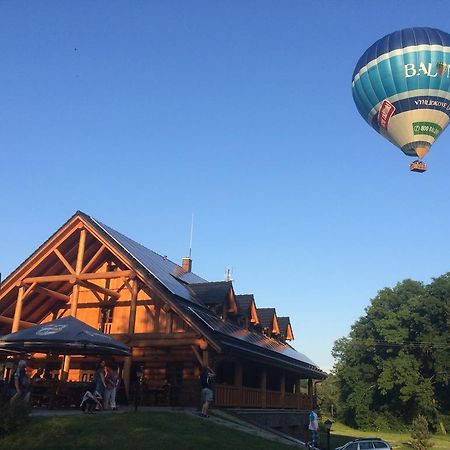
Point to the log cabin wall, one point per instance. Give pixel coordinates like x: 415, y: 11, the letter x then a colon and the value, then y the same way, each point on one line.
x: 161, y: 340
x: 79, y: 272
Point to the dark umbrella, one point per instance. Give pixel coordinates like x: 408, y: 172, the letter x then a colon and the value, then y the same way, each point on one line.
x: 65, y: 336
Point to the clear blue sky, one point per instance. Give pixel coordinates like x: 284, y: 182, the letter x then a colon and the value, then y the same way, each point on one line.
x: 141, y: 113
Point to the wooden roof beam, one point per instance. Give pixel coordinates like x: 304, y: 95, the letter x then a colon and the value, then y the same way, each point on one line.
x: 57, y: 295
x: 94, y: 259
x: 82, y: 276
x: 9, y: 321
x: 96, y: 288
x: 34, y: 261
x: 107, y: 275
x: 64, y: 261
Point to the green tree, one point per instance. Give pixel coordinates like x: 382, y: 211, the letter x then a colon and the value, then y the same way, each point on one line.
x: 421, y: 436
x: 328, y: 396
x: 394, y: 364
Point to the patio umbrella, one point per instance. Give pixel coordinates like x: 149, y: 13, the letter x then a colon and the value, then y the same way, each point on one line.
x: 65, y: 336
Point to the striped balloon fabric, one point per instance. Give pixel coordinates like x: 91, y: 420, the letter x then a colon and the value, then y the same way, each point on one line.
x: 401, y: 87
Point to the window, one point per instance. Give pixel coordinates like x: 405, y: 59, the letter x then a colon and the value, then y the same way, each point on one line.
x: 353, y: 446
x: 106, y: 319
x: 379, y: 444
x: 366, y: 445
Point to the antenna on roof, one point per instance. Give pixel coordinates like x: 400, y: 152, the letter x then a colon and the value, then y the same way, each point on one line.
x: 186, y: 263
x: 228, y: 274
x: 192, y: 235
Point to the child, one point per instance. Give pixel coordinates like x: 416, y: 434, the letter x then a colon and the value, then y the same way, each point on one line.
x: 91, y: 402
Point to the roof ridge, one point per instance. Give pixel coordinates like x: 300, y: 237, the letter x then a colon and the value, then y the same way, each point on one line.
x: 211, y: 282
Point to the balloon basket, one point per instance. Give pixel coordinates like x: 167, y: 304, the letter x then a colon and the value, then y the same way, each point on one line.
x: 418, y: 166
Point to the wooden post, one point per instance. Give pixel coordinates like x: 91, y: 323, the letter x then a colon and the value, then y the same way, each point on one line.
x: 311, y: 393
x: 18, y: 310
x: 263, y: 388
x: 126, y: 375
x: 74, y: 296
x: 298, y: 392
x: 169, y: 322
x: 65, y: 368
x: 78, y: 267
x: 62, y: 370
x: 156, y: 317
x: 238, y: 374
x: 283, y: 389
x: 134, y: 295
x: 131, y: 328
x: 205, y: 358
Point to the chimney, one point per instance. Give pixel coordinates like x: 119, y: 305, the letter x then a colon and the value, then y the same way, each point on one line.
x: 186, y: 264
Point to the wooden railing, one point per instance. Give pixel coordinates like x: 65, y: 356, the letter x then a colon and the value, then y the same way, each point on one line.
x: 243, y: 397
x: 235, y: 396
x: 273, y: 399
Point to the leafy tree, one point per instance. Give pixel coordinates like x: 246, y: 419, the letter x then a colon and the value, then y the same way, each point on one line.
x: 328, y: 396
x: 395, y: 362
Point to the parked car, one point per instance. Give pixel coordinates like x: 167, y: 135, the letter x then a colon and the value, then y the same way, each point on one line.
x: 366, y: 444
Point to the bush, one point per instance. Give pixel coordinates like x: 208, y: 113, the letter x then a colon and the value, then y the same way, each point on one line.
x: 13, y: 417
x: 420, y: 434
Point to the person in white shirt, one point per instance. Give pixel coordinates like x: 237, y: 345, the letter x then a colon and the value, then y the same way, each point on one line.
x: 313, y: 427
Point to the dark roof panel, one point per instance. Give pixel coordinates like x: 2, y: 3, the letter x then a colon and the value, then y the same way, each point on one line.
x: 283, y: 322
x: 164, y: 270
x: 231, y: 335
x: 212, y: 293
x: 244, y: 302
x: 266, y: 317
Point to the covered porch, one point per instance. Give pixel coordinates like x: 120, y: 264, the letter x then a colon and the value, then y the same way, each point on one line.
x: 252, y: 385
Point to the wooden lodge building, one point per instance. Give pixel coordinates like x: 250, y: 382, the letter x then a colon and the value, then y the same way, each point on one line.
x: 174, y: 320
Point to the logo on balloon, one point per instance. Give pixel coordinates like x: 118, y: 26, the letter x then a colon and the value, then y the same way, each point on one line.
x: 386, y: 111
x: 441, y: 67
x: 428, y: 128
x: 411, y: 70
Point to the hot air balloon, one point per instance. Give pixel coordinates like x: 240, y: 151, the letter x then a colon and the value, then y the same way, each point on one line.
x: 401, y: 87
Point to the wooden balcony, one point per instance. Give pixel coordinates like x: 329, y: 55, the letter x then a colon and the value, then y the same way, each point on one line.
x: 243, y: 397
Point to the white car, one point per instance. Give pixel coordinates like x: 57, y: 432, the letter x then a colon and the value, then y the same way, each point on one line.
x: 366, y: 444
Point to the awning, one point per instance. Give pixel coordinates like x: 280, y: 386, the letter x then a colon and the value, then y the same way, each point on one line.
x: 65, y: 336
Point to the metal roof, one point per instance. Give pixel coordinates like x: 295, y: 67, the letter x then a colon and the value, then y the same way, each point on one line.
x: 283, y: 323
x: 211, y: 293
x: 244, y: 302
x: 171, y: 275
x: 247, y: 341
x: 266, y: 316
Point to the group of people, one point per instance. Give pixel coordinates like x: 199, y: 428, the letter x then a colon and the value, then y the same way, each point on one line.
x: 102, y: 395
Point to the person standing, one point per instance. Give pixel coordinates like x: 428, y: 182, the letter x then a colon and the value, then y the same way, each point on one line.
x: 100, y: 379
x: 21, y: 383
x: 112, y: 381
x: 207, y: 379
x: 313, y: 427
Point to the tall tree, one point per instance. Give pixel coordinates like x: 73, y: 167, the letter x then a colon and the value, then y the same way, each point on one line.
x: 394, y: 364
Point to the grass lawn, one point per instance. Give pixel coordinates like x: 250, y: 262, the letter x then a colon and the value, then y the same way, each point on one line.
x: 143, y: 430
x: 341, y: 434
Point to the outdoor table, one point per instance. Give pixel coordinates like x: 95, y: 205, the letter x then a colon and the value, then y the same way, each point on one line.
x: 56, y: 394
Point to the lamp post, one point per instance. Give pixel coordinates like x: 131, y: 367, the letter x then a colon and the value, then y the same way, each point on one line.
x: 328, y: 423
x: 138, y: 391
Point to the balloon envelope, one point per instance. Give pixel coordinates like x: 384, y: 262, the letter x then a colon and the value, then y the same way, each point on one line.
x: 401, y: 87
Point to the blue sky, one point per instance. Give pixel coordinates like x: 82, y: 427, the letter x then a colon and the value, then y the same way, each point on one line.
x: 141, y: 113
